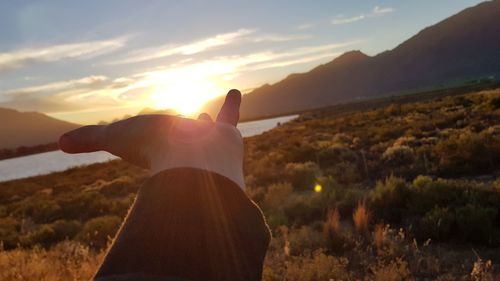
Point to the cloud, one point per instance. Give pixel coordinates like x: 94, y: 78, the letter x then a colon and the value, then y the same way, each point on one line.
x: 186, y: 49
x: 69, y: 95
x: 229, y: 67
x: 377, y: 11
x: 348, y: 20
x: 83, y: 83
x: 97, y: 91
x: 19, y: 58
x: 277, y: 38
x: 241, y: 35
x: 305, y: 26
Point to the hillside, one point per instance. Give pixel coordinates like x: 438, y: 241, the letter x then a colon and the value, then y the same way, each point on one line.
x: 405, y: 192
x: 29, y: 128
x: 461, y: 48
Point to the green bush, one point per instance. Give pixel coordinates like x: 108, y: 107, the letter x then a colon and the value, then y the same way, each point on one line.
x: 85, y: 205
x: 276, y: 220
x: 302, y: 176
x: 495, y: 103
x: 390, y: 198
x: 97, y: 231
x: 397, y: 156
x: 427, y: 194
x: 43, y: 235
x: 468, y: 153
x: 47, y: 235
x: 476, y: 224
x: 66, y: 229
x: 305, y: 209
x: 340, y: 162
x: 437, y: 224
x: 121, y: 186
x: 9, y: 229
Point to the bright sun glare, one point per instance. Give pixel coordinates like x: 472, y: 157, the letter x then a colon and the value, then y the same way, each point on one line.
x: 184, y: 92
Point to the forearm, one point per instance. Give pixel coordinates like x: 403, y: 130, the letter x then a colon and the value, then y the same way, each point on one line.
x: 192, y: 224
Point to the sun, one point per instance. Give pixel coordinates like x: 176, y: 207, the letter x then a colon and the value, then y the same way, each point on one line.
x: 185, y: 95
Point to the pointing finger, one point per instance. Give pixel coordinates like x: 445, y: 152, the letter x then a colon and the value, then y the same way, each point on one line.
x: 84, y: 139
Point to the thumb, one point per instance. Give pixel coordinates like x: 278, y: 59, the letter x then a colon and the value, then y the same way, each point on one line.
x: 230, y: 111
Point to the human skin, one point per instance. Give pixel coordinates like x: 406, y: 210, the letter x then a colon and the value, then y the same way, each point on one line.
x: 191, y: 220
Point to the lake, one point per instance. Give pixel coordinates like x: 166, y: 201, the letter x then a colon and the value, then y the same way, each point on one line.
x: 54, y: 161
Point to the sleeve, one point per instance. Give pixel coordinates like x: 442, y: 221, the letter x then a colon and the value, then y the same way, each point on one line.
x: 190, y: 224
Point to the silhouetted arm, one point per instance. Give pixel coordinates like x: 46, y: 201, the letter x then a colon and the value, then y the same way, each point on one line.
x: 191, y: 219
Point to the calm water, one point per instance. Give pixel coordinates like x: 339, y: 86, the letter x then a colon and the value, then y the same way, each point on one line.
x: 45, y: 163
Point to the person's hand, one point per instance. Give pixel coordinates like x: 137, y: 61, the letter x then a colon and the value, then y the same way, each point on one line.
x: 161, y: 142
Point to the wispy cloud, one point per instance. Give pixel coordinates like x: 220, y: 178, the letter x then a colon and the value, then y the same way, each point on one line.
x: 229, y: 67
x: 377, y: 11
x: 277, y: 38
x: 342, y: 20
x: 86, y: 82
x: 185, y: 49
x: 19, y: 58
x: 380, y: 11
x: 305, y: 26
x: 242, y: 35
x: 75, y: 94
x: 98, y: 91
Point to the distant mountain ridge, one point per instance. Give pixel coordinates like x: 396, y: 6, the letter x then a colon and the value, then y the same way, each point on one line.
x: 462, y: 47
x: 29, y: 128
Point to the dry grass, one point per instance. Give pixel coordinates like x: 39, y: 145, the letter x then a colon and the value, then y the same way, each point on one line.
x: 380, y: 236
x: 65, y: 261
x: 332, y: 234
x: 361, y: 218
x: 400, y: 260
x: 332, y: 224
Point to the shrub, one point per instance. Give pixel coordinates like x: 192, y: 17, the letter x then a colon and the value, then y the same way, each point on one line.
x: 44, y: 235
x: 302, y: 176
x: 66, y: 229
x: 47, y: 235
x: 85, y: 205
x: 304, y: 240
x: 276, y: 220
x: 438, y: 224
x: 468, y: 153
x: 303, y: 209
x: 119, y: 187
x: 277, y: 195
x: 361, y: 218
x: 340, y: 162
x: 396, y: 156
x: 9, y: 228
x: 495, y: 103
x: 334, y: 239
x: 317, y: 267
x: 476, y: 223
x: 395, y: 270
x: 390, y: 198
x: 42, y: 210
x: 97, y: 231
x: 380, y: 236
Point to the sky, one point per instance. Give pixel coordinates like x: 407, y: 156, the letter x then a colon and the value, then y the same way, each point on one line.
x: 90, y: 61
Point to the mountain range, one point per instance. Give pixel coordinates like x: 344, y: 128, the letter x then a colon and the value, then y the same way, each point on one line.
x: 464, y: 47
x: 29, y: 128
x: 461, y: 48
